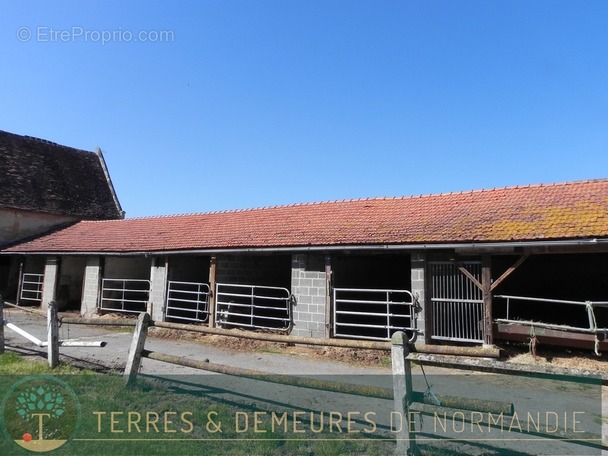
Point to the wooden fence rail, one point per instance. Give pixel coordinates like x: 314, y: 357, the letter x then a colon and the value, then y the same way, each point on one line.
x: 407, y: 401
x: 52, y: 331
x: 403, y: 356
x: 404, y: 398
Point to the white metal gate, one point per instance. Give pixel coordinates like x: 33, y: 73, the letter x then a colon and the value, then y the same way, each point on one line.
x: 31, y: 287
x: 253, y: 306
x: 458, y: 310
x: 373, y: 313
x: 125, y: 295
x: 188, y: 301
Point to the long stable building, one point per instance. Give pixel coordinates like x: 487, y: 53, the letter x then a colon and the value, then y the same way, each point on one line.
x: 469, y: 267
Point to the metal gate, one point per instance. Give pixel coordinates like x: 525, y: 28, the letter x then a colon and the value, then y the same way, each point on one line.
x: 188, y: 301
x: 31, y: 287
x: 253, y: 306
x: 458, y: 310
x: 125, y: 295
x: 373, y: 314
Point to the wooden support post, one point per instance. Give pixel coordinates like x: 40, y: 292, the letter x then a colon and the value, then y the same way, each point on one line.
x: 137, y: 346
x: 486, y: 288
x: 402, y: 393
x: 1, y: 324
x: 212, y: 282
x: 53, y: 334
x: 20, y: 283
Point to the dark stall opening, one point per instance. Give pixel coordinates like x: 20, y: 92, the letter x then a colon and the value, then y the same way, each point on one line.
x: 371, y: 296
x: 69, y: 286
x: 563, y: 291
x: 254, y: 292
x: 188, y: 289
x: 125, y: 286
x: 31, y: 273
x: 9, y: 277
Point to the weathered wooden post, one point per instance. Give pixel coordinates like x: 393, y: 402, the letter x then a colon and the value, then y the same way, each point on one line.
x: 53, y: 334
x: 137, y: 346
x: 486, y: 290
x: 402, y: 393
x: 1, y: 324
x: 212, y: 282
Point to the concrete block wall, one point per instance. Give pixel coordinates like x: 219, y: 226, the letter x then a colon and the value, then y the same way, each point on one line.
x: 309, y: 286
x: 90, y: 289
x: 158, y: 281
x: 418, y: 274
x: 272, y: 270
x: 132, y: 267
x: 235, y: 269
x: 49, y: 284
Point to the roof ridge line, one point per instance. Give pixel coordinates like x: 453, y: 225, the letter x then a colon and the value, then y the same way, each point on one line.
x: 372, y: 198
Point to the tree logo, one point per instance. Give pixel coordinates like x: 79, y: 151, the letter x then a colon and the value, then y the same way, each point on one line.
x: 40, y: 413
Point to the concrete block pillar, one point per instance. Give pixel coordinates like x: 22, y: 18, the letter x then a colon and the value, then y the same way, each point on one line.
x: 158, y: 286
x: 91, y: 286
x: 419, y: 287
x: 49, y: 284
x: 309, y: 286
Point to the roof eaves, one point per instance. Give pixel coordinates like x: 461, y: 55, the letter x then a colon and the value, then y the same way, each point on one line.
x: 472, y: 246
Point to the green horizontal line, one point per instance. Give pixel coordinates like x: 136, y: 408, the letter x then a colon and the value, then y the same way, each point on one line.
x: 376, y: 439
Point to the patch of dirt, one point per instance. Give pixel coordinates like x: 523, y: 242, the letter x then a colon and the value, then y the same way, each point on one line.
x: 517, y: 353
x: 377, y: 358
x: 512, y: 352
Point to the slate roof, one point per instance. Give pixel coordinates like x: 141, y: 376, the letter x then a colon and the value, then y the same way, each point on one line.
x: 41, y: 176
x: 577, y: 210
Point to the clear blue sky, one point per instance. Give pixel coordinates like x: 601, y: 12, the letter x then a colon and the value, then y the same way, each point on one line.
x: 234, y: 104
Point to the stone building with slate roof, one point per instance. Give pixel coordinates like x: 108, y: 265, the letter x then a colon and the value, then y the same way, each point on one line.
x: 459, y: 268
x: 44, y: 186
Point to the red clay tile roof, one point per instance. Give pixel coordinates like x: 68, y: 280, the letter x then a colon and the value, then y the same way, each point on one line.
x: 542, y: 212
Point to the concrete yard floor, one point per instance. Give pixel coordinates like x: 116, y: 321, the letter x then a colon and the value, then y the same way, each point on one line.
x: 118, y: 339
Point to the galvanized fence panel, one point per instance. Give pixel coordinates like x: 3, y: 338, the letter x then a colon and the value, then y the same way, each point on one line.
x: 457, y: 302
x: 253, y: 306
x: 187, y: 301
x: 31, y: 287
x: 125, y: 295
x: 373, y: 314
x: 592, y: 316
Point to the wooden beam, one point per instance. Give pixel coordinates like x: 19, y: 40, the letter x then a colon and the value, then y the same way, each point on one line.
x: 212, y: 282
x: 470, y: 276
x: 509, y: 271
x: 549, y: 336
x: 456, y: 350
x: 503, y: 367
x: 264, y: 376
